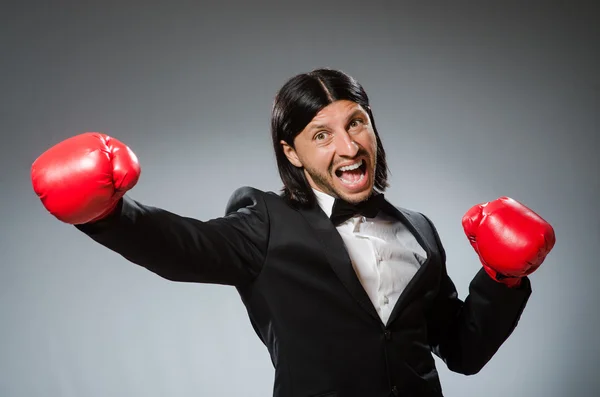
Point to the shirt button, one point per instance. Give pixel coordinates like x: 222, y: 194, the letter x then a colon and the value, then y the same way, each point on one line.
x: 385, y: 300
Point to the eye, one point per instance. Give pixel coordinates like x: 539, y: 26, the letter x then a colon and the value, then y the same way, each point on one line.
x: 320, y: 136
x: 356, y: 122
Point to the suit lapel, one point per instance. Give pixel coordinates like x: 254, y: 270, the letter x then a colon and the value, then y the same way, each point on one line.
x: 425, y: 266
x: 334, y: 249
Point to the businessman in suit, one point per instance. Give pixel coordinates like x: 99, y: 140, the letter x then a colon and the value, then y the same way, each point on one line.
x: 349, y: 293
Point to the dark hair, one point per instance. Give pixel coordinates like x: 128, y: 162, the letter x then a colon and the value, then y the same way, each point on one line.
x: 296, y: 103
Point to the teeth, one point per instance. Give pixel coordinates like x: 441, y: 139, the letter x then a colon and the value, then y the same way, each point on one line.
x: 351, y: 167
x: 353, y: 183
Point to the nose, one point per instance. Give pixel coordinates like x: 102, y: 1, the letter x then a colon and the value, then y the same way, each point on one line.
x: 345, y: 145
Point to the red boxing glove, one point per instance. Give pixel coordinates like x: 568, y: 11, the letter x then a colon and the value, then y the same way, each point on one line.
x: 511, y: 240
x: 82, y: 179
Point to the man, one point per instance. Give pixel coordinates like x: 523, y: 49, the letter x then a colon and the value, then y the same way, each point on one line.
x: 349, y: 294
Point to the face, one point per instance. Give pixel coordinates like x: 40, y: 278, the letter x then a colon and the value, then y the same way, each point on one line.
x: 337, y: 151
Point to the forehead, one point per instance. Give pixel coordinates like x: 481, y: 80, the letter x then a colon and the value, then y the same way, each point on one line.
x: 336, y: 110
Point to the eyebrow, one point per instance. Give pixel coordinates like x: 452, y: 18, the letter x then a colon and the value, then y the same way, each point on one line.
x: 351, y: 116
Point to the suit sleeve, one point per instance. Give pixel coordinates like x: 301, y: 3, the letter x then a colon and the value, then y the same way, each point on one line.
x: 229, y: 250
x: 466, y: 335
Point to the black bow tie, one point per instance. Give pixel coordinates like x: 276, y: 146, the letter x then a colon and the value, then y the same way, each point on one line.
x: 343, y: 210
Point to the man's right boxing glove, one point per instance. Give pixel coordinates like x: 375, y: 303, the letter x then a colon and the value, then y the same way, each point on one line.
x: 81, y: 180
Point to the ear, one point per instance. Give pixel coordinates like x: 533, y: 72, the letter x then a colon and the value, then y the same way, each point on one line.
x: 291, y: 154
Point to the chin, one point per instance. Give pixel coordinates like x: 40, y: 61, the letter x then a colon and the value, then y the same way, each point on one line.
x: 354, y: 196
x: 358, y: 197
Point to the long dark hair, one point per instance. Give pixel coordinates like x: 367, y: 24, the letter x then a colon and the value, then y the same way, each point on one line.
x: 296, y: 103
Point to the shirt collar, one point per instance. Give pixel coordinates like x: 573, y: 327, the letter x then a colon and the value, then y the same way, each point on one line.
x: 325, y: 201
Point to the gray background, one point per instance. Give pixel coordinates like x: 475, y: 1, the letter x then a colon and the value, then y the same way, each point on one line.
x: 472, y: 100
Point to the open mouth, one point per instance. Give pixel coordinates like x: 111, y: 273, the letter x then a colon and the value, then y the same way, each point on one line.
x: 352, y: 174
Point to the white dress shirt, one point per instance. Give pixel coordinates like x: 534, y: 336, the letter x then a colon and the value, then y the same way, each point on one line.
x: 384, y: 253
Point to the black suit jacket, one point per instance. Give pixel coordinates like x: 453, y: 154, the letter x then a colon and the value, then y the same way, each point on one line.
x: 306, y: 303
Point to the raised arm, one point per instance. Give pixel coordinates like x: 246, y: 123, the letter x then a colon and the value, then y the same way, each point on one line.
x: 84, y: 180
x: 512, y: 242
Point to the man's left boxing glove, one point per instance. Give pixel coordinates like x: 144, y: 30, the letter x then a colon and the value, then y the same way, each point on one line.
x: 81, y: 179
x: 511, y: 240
